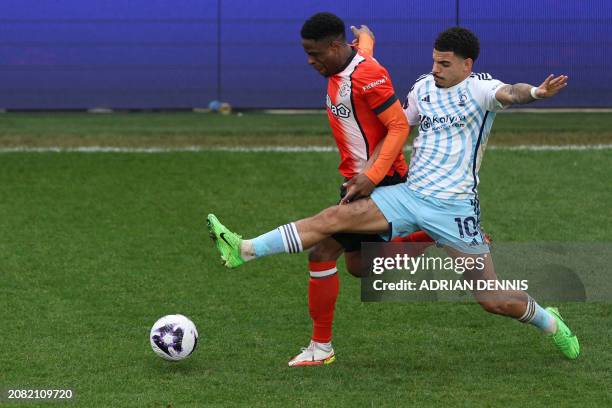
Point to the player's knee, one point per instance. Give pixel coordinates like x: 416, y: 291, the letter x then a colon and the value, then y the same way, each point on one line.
x: 330, y: 217
x: 322, y: 253
x: 339, y: 217
x: 354, y: 266
x: 356, y: 271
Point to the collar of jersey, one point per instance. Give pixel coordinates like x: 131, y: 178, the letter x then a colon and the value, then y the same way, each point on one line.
x: 456, y: 85
x: 349, y: 60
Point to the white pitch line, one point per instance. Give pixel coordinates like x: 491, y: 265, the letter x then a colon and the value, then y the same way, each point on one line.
x: 267, y: 149
x: 109, y: 149
x: 552, y: 148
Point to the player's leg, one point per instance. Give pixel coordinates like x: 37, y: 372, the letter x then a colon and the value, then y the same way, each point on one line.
x: 361, y: 216
x: 419, y: 242
x: 511, y: 303
x: 323, y: 287
x: 519, y: 305
x: 351, y: 244
x: 387, y: 200
x: 352, y: 260
x: 323, y: 291
x: 456, y: 225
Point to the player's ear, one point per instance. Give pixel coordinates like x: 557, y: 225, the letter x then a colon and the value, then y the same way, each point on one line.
x: 335, y: 45
x: 468, y: 64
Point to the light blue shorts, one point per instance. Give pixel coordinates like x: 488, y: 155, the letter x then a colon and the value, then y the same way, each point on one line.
x: 455, y: 223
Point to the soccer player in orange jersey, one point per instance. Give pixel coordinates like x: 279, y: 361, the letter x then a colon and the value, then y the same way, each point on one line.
x: 370, y: 128
x: 441, y: 200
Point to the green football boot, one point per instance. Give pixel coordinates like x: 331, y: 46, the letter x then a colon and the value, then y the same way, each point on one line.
x: 227, y: 242
x: 563, y: 338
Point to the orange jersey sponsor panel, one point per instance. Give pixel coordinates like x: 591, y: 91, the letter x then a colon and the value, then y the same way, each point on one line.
x: 355, y: 96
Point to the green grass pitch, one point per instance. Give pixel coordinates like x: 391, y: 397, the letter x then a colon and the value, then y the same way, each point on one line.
x: 95, y: 247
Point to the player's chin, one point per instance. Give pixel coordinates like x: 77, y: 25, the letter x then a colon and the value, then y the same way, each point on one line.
x: 321, y: 71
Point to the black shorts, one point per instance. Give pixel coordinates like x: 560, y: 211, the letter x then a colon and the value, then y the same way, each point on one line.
x: 352, y: 242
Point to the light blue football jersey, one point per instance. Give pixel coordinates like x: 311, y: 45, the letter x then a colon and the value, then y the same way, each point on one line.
x: 454, y: 126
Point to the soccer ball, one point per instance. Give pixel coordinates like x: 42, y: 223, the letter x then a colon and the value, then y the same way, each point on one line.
x: 174, y: 337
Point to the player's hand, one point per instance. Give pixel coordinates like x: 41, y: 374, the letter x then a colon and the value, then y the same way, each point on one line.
x: 357, y: 187
x: 551, y: 86
x: 358, y: 31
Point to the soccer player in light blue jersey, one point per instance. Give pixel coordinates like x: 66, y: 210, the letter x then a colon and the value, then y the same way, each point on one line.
x: 454, y: 109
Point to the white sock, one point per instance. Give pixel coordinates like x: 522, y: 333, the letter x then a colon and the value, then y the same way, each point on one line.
x: 323, y: 346
x: 539, y: 317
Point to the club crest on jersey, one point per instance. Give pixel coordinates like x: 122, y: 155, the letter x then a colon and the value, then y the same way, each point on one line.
x: 337, y: 110
x: 462, y: 100
x: 345, y: 89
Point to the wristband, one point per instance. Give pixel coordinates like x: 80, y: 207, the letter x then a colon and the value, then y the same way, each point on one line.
x: 533, y: 93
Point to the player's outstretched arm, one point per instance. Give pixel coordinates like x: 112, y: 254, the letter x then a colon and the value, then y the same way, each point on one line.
x: 520, y: 94
x: 364, y: 40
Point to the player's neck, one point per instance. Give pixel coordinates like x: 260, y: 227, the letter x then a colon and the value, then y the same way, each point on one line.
x: 456, y: 82
x: 346, y: 55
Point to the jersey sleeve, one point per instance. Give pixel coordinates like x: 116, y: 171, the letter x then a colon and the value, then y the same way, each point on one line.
x: 375, y: 86
x: 488, y: 88
x: 411, y: 109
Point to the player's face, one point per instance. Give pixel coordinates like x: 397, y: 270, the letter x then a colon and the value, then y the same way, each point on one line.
x: 449, y: 69
x: 323, y: 55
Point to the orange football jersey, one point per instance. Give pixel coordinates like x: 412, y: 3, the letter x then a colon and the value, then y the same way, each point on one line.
x: 355, y: 96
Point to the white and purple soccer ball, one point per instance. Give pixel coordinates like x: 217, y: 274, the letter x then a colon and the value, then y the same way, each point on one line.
x: 174, y: 337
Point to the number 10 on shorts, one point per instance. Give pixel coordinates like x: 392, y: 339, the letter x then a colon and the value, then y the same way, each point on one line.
x: 467, y: 226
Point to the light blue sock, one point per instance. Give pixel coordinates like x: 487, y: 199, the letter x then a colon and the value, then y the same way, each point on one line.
x: 283, y: 239
x: 268, y: 244
x: 539, y: 317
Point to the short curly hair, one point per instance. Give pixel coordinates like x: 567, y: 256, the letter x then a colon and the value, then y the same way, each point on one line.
x: 323, y: 25
x: 459, y: 40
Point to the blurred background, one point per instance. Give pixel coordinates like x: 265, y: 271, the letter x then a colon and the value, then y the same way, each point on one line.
x: 182, y: 54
